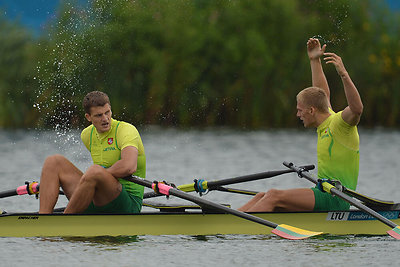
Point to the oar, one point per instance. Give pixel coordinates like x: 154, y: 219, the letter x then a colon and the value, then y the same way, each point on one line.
x: 366, y: 199
x: 236, y: 190
x: 394, y: 232
x: 282, y: 230
x: 201, y: 185
x: 28, y: 188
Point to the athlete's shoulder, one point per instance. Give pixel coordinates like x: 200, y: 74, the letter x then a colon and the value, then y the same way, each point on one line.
x: 126, y: 127
x: 85, y: 135
x: 125, y: 123
x: 87, y: 131
x: 339, y: 121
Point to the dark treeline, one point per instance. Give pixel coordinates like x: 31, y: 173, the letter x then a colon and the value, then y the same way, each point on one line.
x: 197, y: 63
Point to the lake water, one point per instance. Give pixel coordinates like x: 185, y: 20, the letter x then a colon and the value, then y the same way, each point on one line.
x: 179, y: 156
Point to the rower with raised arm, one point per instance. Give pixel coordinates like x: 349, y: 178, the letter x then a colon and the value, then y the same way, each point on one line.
x: 338, y: 140
x: 117, y: 151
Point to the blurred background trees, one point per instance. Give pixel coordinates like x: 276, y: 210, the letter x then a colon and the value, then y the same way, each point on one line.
x: 197, y: 63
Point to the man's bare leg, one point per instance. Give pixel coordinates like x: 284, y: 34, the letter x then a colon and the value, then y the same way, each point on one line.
x: 96, y: 185
x: 252, y: 201
x: 57, y: 171
x: 299, y: 199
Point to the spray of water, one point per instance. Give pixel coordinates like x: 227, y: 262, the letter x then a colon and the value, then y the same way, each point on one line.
x: 60, y: 76
x: 337, y: 16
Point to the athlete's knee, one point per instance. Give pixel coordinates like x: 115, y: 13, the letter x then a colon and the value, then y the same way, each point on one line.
x: 93, y: 174
x: 54, y: 164
x: 55, y: 159
x: 260, y: 195
x: 273, y: 193
x: 275, y: 198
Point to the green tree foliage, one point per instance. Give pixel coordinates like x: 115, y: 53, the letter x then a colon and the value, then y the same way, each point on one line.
x: 203, y: 62
x: 18, y: 61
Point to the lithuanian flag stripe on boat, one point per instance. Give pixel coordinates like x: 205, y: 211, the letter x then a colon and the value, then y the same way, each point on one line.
x: 294, y: 233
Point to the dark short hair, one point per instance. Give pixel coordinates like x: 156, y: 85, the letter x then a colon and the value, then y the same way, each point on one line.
x: 95, y: 99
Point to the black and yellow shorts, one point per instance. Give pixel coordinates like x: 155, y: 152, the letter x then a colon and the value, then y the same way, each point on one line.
x: 124, y: 203
x: 326, y: 202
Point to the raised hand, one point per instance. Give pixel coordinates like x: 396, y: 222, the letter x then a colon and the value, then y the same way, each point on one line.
x: 314, y: 49
x: 332, y: 58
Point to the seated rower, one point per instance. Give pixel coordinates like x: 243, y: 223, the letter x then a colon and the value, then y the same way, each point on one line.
x: 338, y: 141
x: 117, y: 151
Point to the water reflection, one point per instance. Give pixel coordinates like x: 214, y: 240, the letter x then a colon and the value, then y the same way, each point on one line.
x: 97, y: 240
x: 209, y: 237
x: 331, y: 243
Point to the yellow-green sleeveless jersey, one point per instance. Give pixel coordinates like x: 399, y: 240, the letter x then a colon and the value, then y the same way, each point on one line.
x: 105, y: 149
x: 338, y: 150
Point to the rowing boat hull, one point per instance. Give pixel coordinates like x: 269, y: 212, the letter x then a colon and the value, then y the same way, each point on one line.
x: 187, y: 223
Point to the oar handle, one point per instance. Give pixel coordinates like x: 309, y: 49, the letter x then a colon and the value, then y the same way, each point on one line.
x: 28, y: 188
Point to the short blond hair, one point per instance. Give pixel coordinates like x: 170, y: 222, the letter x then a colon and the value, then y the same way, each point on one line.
x: 314, y: 97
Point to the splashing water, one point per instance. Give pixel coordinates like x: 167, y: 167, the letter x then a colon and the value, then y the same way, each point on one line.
x: 61, y: 77
x: 337, y: 16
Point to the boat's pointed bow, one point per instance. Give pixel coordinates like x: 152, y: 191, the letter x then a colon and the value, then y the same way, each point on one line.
x: 293, y: 233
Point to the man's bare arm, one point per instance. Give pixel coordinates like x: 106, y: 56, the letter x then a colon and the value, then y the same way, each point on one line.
x: 127, y: 164
x: 352, y: 113
x: 315, y: 52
